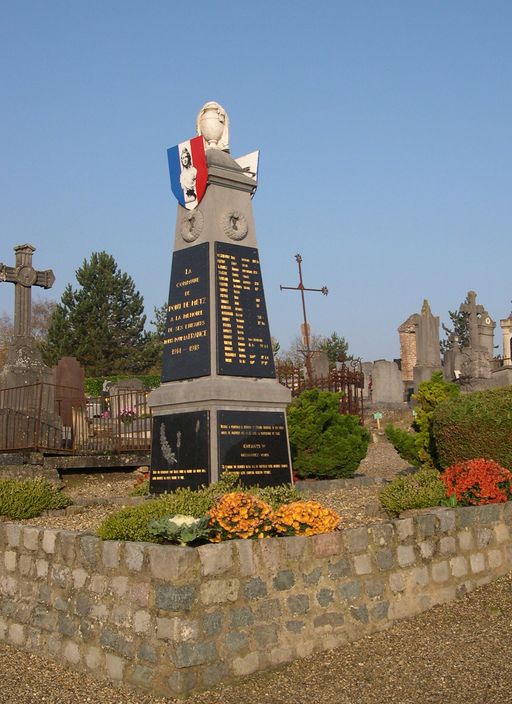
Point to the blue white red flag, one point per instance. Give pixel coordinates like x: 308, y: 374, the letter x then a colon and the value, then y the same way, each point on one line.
x: 188, y: 171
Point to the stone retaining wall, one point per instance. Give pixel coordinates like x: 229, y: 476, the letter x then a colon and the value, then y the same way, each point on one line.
x: 176, y: 620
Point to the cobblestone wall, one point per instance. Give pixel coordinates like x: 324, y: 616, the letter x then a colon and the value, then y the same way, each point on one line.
x: 176, y: 620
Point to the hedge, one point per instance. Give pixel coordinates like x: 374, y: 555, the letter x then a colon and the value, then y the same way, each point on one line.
x: 475, y: 425
x: 93, y: 386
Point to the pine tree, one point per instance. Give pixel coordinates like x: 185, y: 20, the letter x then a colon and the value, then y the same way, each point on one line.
x: 102, y: 322
x: 459, y: 334
x: 336, y: 348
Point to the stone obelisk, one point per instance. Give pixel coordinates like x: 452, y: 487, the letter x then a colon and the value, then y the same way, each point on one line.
x: 219, y: 407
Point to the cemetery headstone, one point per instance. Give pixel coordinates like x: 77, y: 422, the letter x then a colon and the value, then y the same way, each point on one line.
x: 27, y: 393
x: 320, y: 364
x: 219, y: 407
x: 24, y: 364
x: 126, y: 396
x: 407, y: 333
x: 476, y: 363
x: 506, y: 328
x: 69, y: 388
x: 428, y: 355
x: 387, y: 386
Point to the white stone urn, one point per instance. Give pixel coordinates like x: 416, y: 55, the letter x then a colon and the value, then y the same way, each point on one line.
x: 213, y: 125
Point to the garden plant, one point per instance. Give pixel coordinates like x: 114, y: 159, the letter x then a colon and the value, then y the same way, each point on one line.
x: 475, y: 425
x: 324, y: 444
x: 28, y: 498
x: 221, y: 511
x: 419, y: 447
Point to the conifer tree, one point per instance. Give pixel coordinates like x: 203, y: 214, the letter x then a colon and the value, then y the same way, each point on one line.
x: 102, y: 322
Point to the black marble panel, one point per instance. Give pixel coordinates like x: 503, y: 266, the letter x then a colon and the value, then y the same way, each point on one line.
x: 180, y: 452
x: 243, y: 334
x: 187, y: 338
x: 254, y: 443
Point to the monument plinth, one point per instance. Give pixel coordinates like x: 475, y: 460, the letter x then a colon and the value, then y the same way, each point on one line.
x: 219, y: 407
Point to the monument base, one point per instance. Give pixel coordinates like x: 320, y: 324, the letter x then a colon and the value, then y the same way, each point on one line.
x: 204, y: 427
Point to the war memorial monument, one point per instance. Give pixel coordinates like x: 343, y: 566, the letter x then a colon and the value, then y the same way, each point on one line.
x: 219, y: 407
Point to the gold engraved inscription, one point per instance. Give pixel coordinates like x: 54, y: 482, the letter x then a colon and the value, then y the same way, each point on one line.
x: 186, y: 319
x: 238, y: 277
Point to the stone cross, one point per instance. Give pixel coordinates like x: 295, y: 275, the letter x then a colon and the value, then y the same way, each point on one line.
x: 474, y: 313
x: 24, y: 276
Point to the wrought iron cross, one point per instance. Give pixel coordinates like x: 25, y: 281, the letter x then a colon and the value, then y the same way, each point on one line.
x: 24, y: 276
x: 303, y: 288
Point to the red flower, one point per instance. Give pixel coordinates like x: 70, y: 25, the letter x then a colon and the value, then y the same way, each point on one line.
x: 478, y: 481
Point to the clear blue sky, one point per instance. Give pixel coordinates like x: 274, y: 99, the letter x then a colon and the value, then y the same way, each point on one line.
x: 384, y: 129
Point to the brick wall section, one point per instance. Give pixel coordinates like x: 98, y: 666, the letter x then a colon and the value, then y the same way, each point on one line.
x: 178, y: 620
x: 408, y: 352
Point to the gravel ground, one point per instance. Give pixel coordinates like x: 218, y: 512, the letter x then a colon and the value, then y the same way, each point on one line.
x: 357, y: 505
x: 459, y: 652
x: 453, y: 654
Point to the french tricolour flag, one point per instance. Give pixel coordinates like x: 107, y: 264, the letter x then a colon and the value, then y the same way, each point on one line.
x: 188, y: 171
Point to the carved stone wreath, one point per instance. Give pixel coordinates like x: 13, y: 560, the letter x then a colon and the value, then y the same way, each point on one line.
x: 234, y: 224
x: 192, y: 225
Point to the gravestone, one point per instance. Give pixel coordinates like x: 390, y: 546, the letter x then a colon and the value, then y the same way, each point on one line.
x: 320, y: 364
x: 407, y: 334
x: 506, y: 328
x: 219, y: 407
x: 476, y: 358
x: 27, y: 393
x: 125, y: 396
x: 386, y: 382
x: 69, y: 388
x: 428, y: 355
x: 24, y: 363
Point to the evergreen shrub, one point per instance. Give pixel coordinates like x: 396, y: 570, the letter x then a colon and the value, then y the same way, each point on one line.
x: 276, y: 496
x: 132, y: 522
x: 475, y: 425
x: 422, y: 489
x: 422, y: 450
x: 324, y: 443
x: 404, y: 443
x: 28, y: 498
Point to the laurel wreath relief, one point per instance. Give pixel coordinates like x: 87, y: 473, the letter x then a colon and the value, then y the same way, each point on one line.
x: 165, y: 447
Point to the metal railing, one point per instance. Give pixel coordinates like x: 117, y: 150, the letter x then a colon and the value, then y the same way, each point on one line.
x: 60, y: 419
x: 347, y: 379
x: 47, y: 417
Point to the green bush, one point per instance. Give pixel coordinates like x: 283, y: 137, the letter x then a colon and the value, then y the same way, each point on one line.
x: 29, y: 497
x: 475, y: 425
x: 422, y: 489
x: 430, y: 395
x: 324, y: 443
x: 404, y: 443
x: 142, y: 489
x: 419, y: 448
x: 93, y: 386
x: 131, y: 523
x: 276, y: 496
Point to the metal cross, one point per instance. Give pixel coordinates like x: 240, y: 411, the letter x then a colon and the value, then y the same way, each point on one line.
x: 302, y: 288
x: 24, y: 276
